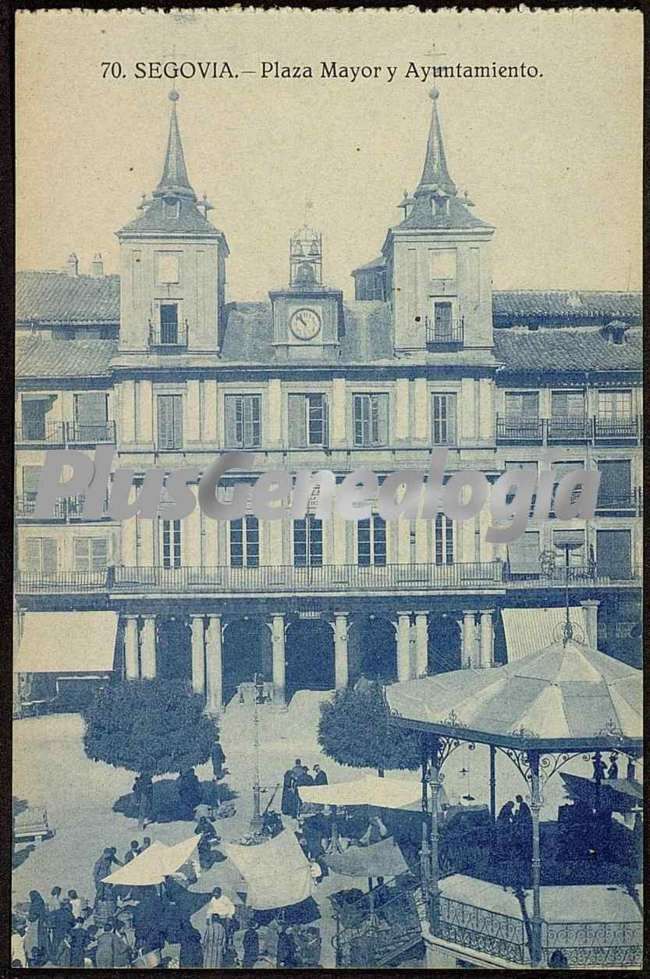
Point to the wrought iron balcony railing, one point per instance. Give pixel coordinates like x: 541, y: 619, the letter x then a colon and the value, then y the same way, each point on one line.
x: 72, y: 582
x: 82, y: 434
x: 480, y: 930
x: 41, y: 433
x: 603, y: 944
x: 567, y: 429
x: 557, y: 429
x: 168, y: 335
x: 609, y: 429
x: 26, y: 505
x: 451, y: 334
x: 514, y: 428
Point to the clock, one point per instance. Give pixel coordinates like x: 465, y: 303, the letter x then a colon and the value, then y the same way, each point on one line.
x: 305, y: 324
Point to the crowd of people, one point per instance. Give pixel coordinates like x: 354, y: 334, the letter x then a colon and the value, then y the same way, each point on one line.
x: 292, y: 780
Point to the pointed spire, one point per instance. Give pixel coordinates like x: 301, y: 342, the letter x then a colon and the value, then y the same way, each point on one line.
x: 174, y: 179
x: 435, y: 175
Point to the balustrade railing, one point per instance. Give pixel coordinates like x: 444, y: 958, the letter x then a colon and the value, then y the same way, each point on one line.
x: 559, y: 429
x: 39, y: 432
x: 61, y: 582
x: 613, y: 944
x: 489, y: 932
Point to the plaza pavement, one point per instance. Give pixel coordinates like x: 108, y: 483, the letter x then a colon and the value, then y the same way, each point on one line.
x: 50, y: 768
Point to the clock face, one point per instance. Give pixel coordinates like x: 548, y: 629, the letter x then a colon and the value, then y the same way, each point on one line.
x: 305, y: 324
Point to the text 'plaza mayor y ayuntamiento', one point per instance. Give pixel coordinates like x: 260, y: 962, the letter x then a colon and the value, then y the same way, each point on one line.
x: 162, y: 364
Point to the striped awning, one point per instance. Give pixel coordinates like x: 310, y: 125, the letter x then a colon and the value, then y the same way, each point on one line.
x: 527, y: 630
x: 67, y: 642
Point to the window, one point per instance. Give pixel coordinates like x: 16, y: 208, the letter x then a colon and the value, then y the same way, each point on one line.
x: 560, y: 469
x: 245, y: 543
x: 444, y: 419
x: 443, y: 539
x: 168, y: 267
x: 171, y: 210
x: 522, y: 404
x: 31, y: 475
x: 307, y: 420
x: 308, y: 542
x: 170, y: 533
x: 443, y: 263
x: 442, y: 321
x: 90, y: 553
x: 575, y: 540
x: 370, y: 419
x: 615, y: 483
x: 169, y: 323
x: 243, y: 426
x: 524, y: 555
x: 41, y: 555
x: 90, y: 416
x: 371, y: 541
x: 615, y: 404
x: 170, y: 421
x: 369, y: 285
x: 567, y: 404
x: 35, y: 409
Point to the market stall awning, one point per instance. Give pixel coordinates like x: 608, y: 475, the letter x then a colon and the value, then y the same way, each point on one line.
x: 566, y: 694
x: 152, y: 865
x: 371, y: 790
x: 382, y: 859
x: 67, y: 642
x: 527, y: 630
x: 617, y: 794
x: 277, y: 872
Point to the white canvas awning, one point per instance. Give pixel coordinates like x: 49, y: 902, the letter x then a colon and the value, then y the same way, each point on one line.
x: 277, y: 873
x: 67, y: 642
x: 371, y: 790
x: 527, y: 630
x: 154, y: 864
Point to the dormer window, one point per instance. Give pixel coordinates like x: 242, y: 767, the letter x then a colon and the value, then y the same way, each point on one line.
x: 171, y: 209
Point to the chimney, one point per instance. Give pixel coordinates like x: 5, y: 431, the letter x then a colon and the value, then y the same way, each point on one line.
x: 97, y: 266
x: 72, y: 265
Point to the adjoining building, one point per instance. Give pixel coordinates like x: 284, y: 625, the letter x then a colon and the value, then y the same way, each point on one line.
x: 160, y: 364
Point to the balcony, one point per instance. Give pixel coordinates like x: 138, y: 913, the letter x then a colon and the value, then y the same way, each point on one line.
x: 395, y: 578
x: 73, y: 582
x: 607, y: 429
x: 168, y: 336
x: 519, y: 429
x: 587, y: 575
x: 440, y: 336
x: 26, y: 505
x: 558, y: 430
x: 82, y: 434
x: 44, y: 433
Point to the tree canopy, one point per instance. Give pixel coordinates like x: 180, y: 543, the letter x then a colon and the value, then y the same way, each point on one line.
x: 356, y: 729
x: 154, y: 726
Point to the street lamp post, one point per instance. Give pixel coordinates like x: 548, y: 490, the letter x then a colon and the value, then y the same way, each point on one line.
x: 256, y: 820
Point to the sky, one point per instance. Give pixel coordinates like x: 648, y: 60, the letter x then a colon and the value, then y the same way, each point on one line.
x: 554, y: 162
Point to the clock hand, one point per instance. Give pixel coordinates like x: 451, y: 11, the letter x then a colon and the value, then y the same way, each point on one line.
x: 301, y: 320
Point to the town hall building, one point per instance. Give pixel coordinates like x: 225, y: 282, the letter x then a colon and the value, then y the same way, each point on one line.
x: 161, y: 363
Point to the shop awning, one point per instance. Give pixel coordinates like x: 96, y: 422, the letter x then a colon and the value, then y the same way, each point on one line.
x: 527, y: 630
x: 371, y: 790
x: 152, y: 865
x: 67, y: 642
x: 382, y: 859
x: 277, y: 872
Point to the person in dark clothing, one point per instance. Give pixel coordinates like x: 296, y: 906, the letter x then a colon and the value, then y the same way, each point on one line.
x: 304, y: 778
x: 61, y: 922
x: 218, y: 759
x: 289, y: 805
x: 286, y: 951
x: 251, y: 946
x: 143, y: 795
x: 78, y: 940
x: 208, y: 837
x: 103, y: 868
x: 504, y: 827
x: 612, y: 771
x: 133, y: 851
x: 191, y: 950
x: 148, y: 918
x: 523, y: 827
x: 189, y: 791
x: 320, y: 777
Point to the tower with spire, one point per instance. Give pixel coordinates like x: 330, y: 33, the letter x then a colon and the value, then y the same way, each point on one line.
x: 173, y: 262
x: 437, y: 262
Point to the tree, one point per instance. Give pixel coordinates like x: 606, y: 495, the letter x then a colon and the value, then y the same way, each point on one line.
x: 356, y: 729
x: 153, y: 726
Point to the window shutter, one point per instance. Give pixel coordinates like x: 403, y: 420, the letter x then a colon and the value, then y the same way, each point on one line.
x: 359, y: 404
x: 82, y: 554
x: 49, y: 555
x: 33, y: 555
x: 382, y: 419
x: 451, y: 419
x: 165, y: 422
x: 98, y: 553
x: 297, y: 420
x: 31, y: 475
x: 230, y: 406
x: 91, y: 408
x: 256, y: 413
x: 326, y: 422
x: 177, y: 407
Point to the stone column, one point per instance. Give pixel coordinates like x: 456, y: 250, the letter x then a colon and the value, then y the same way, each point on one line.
x: 403, y: 646
x: 341, y: 675
x: 131, y: 654
x: 421, y: 643
x: 213, y: 665
x: 277, y: 636
x: 487, y: 639
x: 148, y: 648
x: 591, y: 616
x: 198, y: 654
x: 469, y: 640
